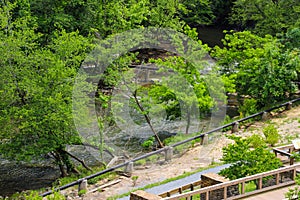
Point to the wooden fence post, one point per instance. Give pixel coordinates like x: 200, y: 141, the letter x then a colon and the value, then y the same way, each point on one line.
x: 265, y: 116
x: 129, y: 168
x: 83, y: 185
x: 289, y: 106
x: 235, y: 127
x: 204, y: 140
x: 168, y: 153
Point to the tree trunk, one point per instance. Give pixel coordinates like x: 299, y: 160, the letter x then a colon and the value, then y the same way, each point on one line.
x: 67, y: 161
x: 160, y: 144
x: 188, y: 121
x: 59, y: 161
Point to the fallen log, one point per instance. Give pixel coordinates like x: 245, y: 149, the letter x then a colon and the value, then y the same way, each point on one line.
x: 104, y: 186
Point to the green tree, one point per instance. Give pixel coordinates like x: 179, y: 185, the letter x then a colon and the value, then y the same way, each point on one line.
x: 246, y: 161
x: 266, y: 16
x: 101, y: 17
x: 291, y: 39
x: 188, y: 86
x: 197, y: 12
x: 260, y: 66
x: 36, y: 92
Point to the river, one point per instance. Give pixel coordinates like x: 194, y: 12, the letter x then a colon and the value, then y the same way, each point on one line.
x: 211, y: 35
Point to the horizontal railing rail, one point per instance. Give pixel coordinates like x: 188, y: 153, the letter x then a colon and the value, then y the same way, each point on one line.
x: 180, y: 190
x: 223, y: 187
x: 286, y: 150
x: 288, y: 103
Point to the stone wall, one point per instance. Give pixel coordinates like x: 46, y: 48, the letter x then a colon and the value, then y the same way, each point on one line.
x: 210, y: 179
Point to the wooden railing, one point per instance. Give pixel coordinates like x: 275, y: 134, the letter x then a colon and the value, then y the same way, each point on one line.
x: 180, y: 190
x: 281, y: 177
x: 286, y: 151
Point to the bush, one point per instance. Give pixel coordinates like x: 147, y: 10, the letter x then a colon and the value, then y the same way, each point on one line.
x: 249, y: 107
x: 256, y: 141
x: 245, y: 160
x: 147, y: 144
x: 82, y: 192
x: 271, y: 134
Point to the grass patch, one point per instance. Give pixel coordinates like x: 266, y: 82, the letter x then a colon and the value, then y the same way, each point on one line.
x: 84, y: 172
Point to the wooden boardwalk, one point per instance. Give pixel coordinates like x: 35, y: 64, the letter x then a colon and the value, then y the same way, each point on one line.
x: 273, y: 195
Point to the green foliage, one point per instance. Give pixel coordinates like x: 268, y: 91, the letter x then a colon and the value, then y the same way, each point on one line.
x: 147, y: 144
x: 260, y: 66
x: 56, y: 196
x: 180, y: 137
x: 167, y: 99
x: 249, y: 107
x: 43, y: 43
x: 227, y: 120
x: 294, y: 193
x: 291, y: 39
x: 82, y: 192
x: 246, y: 161
x: 25, y: 195
x: 249, y: 186
x: 134, y: 179
x: 271, y: 134
x: 36, y: 86
x: 34, y: 195
x: 141, y: 162
x: 266, y: 16
x: 84, y: 172
x: 196, y: 12
x: 221, y: 10
x: 189, y: 87
x: 256, y: 141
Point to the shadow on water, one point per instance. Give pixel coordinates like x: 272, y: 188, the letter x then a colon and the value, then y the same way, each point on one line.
x: 211, y: 35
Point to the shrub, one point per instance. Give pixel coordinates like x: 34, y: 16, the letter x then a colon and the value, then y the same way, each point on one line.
x: 271, y: 134
x: 147, y: 144
x: 245, y: 160
x: 249, y: 107
x: 256, y: 141
x: 82, y: 192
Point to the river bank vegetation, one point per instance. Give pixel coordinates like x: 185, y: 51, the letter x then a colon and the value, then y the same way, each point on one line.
x: 44, y: 43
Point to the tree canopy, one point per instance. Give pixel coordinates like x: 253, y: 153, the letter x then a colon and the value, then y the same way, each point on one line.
x: 259, y: 66
x: 245, y: 160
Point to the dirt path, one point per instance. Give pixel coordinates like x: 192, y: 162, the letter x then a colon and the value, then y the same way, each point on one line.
x: 199, y: 156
